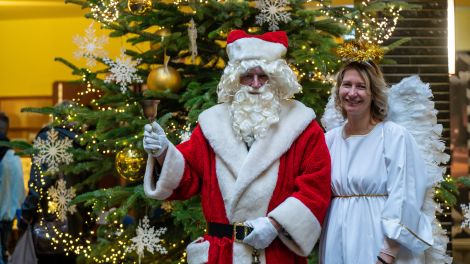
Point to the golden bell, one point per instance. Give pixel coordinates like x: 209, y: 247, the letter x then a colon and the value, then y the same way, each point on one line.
x: 167, y: 206
x: 139, y: 7
x: 130, y: 164
x: 162, y: 78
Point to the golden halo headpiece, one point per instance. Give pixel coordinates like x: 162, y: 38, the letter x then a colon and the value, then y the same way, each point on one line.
x: 360, y: 51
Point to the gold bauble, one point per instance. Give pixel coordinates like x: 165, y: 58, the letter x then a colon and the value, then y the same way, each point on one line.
x: 130, y: 164
x: 162, y: 78
x: 161, y: 33
x: 167, y: 206
x: 139, y: 7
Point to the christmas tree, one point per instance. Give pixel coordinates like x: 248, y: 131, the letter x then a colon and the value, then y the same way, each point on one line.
x: 179, y: 73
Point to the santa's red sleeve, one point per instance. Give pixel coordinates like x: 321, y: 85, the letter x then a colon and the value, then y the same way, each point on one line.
x: 302, y: 213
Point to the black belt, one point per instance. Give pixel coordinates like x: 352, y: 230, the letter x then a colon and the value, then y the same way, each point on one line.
x: 237, y: 231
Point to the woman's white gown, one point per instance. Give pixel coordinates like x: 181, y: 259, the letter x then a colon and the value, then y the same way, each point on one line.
x: 377, y: 190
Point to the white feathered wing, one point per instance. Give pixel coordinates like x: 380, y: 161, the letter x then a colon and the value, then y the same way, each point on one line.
x: 411, y: 106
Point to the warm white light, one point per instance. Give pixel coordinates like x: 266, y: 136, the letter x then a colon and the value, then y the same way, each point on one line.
x: 451, y: 36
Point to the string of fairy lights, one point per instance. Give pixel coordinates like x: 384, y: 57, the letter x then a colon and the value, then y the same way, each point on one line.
x: 105, y: 12
x: 77, y: 244
x: 81, y: 244
x: 90, y: 90
x: 448, y: 178
x: 371, y: 28
x: 64, y: 240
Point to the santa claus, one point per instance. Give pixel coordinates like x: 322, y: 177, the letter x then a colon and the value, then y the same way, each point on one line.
x: 258, y: 159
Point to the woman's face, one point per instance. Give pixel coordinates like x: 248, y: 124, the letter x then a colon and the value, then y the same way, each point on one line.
x: 355, y: 96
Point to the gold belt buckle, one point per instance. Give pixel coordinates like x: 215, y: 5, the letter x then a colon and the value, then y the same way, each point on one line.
x: 245, y: 231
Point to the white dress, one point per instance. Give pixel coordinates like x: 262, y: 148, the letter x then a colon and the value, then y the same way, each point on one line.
x: 377, y: 190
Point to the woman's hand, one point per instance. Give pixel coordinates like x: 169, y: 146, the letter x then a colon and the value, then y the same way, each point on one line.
x: 387, y: 258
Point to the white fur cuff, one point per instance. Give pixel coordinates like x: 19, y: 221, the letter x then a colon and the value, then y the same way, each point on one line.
x: 300, y: 223
x: 170, y: 176
x: 198, y: 251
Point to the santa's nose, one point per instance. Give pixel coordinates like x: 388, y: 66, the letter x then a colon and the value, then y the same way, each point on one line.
x: 256, y: 83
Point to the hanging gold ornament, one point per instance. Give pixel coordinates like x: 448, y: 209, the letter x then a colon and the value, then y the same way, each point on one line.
x: 164, y: 77
x: 167, y: 206
x: 139, y: 7
x: 162, y: 33
x: 130, y: 164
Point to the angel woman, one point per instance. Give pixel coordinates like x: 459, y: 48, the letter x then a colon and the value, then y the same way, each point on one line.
x: 379, y: 178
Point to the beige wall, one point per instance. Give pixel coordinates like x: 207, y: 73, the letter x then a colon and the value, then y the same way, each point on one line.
x: 462, y: 28
x: 28, y: 48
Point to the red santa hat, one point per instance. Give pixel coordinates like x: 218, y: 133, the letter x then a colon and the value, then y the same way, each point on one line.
x: 269, y: 46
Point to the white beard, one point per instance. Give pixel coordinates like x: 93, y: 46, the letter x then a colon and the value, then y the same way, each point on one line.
x: 253, y: 114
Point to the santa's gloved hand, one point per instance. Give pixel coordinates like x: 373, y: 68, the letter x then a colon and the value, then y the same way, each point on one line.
x: 155, y: 140
x: 263, y: 233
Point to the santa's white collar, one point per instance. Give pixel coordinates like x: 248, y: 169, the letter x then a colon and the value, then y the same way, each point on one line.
x: 216, y: 125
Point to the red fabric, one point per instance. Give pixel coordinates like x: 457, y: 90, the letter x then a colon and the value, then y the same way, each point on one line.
x: 303, y: 168
x: 277, y: 253
x: 221, y: 250
x: 303, y: 173
x: 275, y: 36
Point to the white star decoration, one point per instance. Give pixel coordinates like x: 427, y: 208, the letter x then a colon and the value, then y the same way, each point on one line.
x: 90, y: 46
x: 272, y: 12
x: 123, y: 71
x: 59, y: 198
x: 466, y: 215
x: 53, y: 151
x: 147, y: 238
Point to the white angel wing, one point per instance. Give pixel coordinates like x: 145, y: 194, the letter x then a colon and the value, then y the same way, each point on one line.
x: 332, y: 117
x: 411, y: 106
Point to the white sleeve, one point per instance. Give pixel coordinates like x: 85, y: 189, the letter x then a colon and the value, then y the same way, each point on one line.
x: 402, y: 218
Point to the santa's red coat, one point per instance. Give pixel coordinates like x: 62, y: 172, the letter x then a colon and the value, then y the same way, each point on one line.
x: 285, y: 175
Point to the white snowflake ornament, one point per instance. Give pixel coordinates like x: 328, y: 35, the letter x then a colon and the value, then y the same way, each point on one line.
x: 59, y: 198
x: 53, y: 151
x: 272, y: 12
x: 147, y: 238
x: 123, y: 71
x: 90, y: 46
x: 466, y: 216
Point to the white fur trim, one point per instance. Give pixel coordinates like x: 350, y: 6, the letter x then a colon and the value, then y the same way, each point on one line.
x: 254, y: 201
x: 300, y: 223
x: 242, y: 254
x: 247, y: 179
x: 255, y: 48
x: 170, y: 176
x: 198, y: 251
